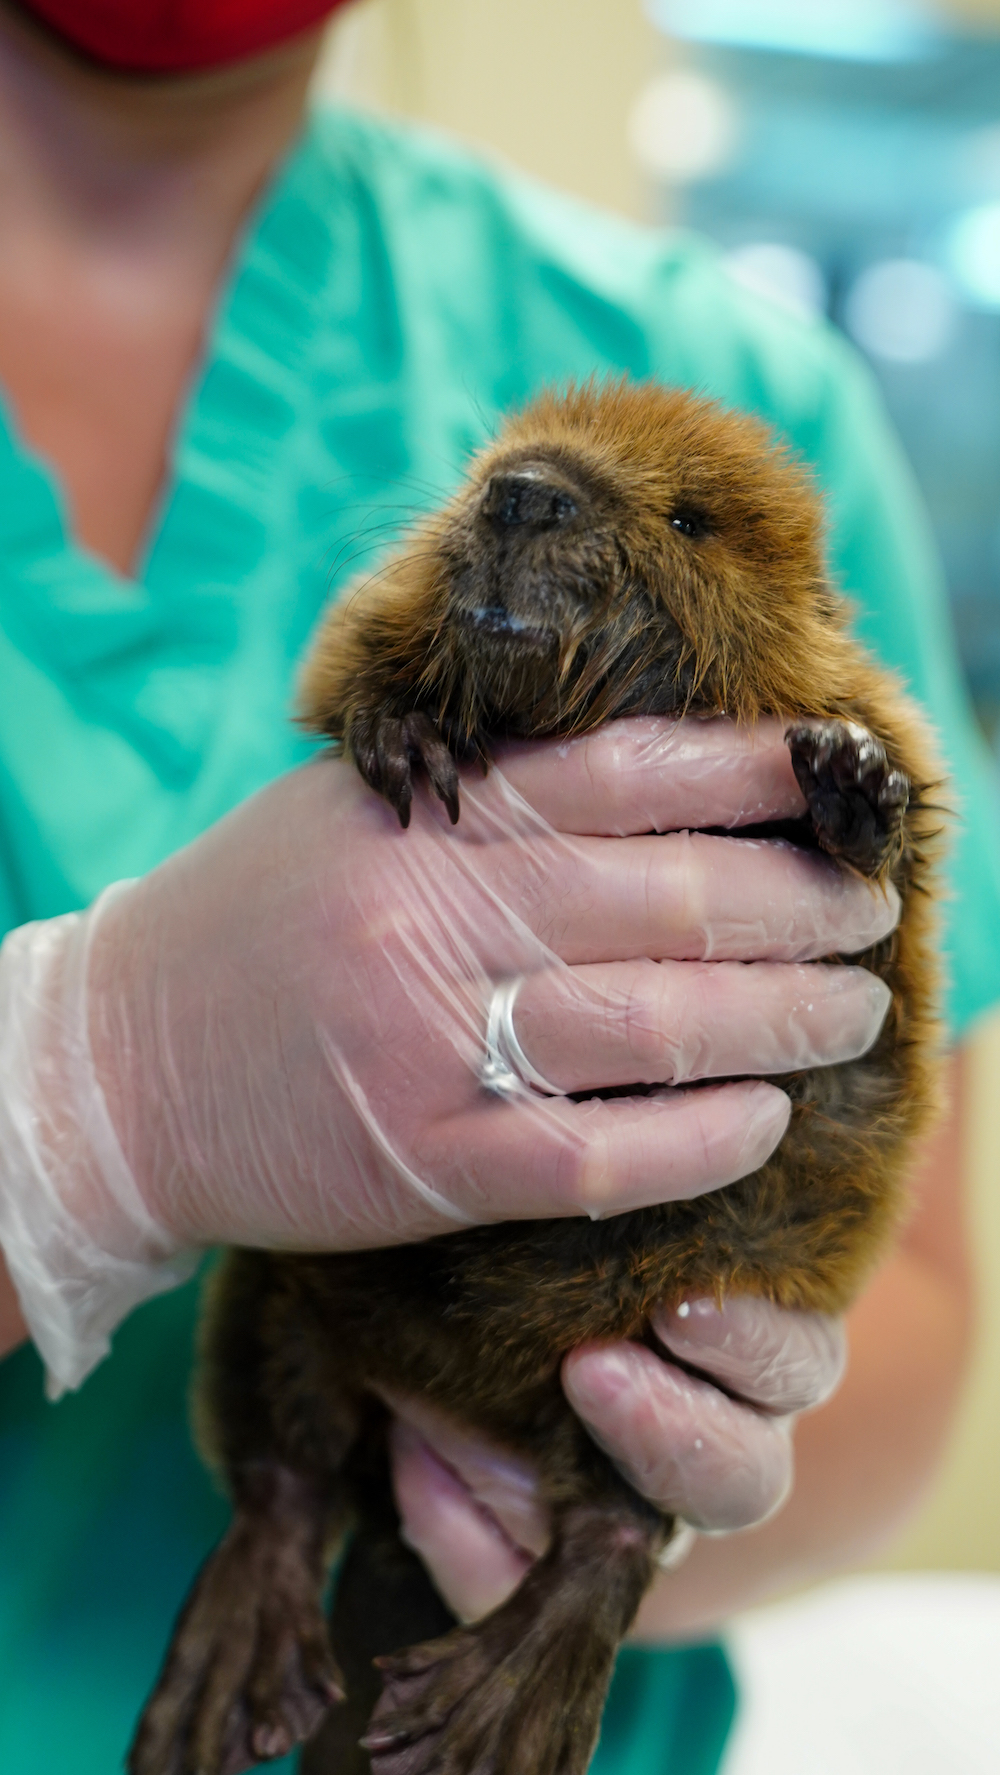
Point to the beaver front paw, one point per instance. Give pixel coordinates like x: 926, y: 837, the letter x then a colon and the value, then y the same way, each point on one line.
x: 856, y: 799
x: 387, y: 748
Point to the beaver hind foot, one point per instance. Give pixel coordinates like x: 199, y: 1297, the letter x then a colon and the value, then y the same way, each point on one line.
x: 250, y: 1673
x: 522, y: 1691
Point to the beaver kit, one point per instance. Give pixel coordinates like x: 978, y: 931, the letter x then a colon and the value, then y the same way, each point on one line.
x: 620, y: 550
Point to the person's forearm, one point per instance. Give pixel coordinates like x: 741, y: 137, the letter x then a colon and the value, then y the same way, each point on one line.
x: 13, y: 1330
x: 862, y: 1462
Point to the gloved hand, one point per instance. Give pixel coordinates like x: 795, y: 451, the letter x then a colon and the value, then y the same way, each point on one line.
x: 277, y: 1037
x: 721, y: 1460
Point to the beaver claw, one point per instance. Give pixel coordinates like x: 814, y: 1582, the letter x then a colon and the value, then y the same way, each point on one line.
x: 856, y: 799
x: 386, y: 748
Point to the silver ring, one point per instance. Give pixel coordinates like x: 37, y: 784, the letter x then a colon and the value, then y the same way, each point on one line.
x: 506, y: 1069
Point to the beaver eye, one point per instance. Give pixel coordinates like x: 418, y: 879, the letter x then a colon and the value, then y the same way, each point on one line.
x: 689, y: 522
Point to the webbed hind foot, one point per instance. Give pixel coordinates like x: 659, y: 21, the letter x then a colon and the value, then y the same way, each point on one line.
x: 521, y: 1692
x: 856, y: 799
x: 250, y: 1672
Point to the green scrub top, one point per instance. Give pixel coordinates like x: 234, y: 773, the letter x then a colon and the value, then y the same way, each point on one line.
x: 391, y: 297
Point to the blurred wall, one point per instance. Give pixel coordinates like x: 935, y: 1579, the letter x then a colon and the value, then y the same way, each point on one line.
x: 545, y: 83
x: 548, y: 84
x: 976, y: 12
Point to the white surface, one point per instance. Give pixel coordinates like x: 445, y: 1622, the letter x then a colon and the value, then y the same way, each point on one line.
x: 895, y: 1675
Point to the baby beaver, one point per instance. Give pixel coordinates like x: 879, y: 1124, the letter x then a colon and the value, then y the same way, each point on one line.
x: 620, y: 550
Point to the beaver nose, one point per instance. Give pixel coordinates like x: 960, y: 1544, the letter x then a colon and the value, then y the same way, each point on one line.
x: 526, y: 496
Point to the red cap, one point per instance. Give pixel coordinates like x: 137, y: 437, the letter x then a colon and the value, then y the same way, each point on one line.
x: 176, y: 36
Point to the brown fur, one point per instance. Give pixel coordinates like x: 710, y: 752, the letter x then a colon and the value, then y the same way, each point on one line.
x: 557, y: 590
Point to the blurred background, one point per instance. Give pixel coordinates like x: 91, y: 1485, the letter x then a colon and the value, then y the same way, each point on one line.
x: 845, y: 155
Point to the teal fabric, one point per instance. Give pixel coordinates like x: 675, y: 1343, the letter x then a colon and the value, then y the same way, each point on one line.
x: 668, y: 1713
x: 391, y: 298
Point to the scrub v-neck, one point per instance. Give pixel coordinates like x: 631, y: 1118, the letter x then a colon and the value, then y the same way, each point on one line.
x: 209, y: 523
x: 171, y: 689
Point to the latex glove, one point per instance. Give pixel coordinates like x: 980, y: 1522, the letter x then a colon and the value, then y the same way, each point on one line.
x: 276, y: 1038
x: 720, y: 1460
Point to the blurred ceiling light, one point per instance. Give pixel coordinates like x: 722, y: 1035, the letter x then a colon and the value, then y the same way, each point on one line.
x: 682, y: 127
x: 852, y: 30
x: 973, y: 251
x: 901, y: 310
x: 783, y: 273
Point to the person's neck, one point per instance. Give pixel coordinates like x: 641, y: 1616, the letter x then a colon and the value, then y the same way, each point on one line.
x: 113, y: 150
x: 120, y: 204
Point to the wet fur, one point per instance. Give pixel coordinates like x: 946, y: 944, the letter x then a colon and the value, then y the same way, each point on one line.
x: 689, y: 579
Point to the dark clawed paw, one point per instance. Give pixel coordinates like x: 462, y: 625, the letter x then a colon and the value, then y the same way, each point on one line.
x: 495, y: 1699
x: 856, y: 799
x: 387, y: 749
x: 250, y: 1673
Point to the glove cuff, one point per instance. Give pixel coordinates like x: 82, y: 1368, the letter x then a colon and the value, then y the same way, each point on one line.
x: 80, y: 1245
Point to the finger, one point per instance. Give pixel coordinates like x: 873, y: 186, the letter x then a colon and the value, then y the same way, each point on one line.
x: 502, y: 1483
x: 473, y: 1563
x: 680, y: 1441
x: 783, y: 1361
x: 540, y: 1157
x: 671, y: 1022
x: 689, y: 896
x: 652, y: 774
